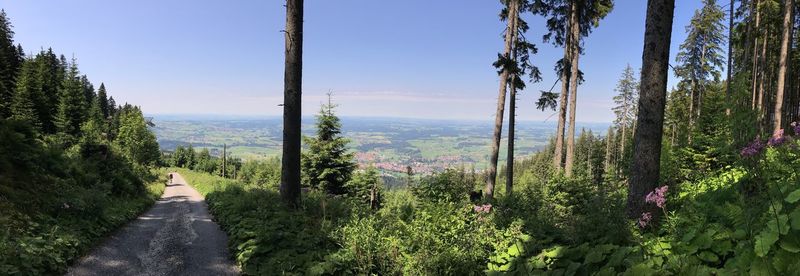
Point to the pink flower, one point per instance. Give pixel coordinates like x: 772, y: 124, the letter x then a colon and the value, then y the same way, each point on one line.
x: 658, y: 196
x: 482, y: 208
x: 645, y: 219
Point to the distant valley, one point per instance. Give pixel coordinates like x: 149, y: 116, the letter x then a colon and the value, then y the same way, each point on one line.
x: 391, y: 144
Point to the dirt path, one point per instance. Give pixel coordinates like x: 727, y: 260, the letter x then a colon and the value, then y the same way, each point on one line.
x: 175, y: 237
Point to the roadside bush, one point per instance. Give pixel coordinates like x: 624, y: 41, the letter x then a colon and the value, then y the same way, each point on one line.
x: 56, y: 205
x: 435, y: 239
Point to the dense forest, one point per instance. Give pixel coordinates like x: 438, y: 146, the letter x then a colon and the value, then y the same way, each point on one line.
x: 700, y: 179
x: 74, y: 164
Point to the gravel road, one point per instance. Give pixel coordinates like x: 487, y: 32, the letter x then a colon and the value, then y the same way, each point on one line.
x: 175, y: 237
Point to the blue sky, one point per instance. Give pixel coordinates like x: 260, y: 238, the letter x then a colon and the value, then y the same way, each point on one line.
x: 412, y: 58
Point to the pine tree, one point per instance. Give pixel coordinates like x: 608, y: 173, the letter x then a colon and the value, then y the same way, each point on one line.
x: 72, y: 105
x: 50, y: 74
x: 327, y: 164
x: 102, y: 100
x: 28, y: 95
x: 625, y: 109
x: 10, y: 62
x: 701, y: 54
x: 191, y: 159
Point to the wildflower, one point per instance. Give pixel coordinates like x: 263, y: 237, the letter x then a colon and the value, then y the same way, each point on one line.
x: 753, y: 149
x: 645, y: 219
x: 796, y: 128
x: 658, y: 196
x: 777, y: 138
x: 482, y: 208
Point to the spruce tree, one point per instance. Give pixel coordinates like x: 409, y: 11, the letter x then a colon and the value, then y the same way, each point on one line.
x: 72, y: 105
x: 701, y: 55
x: 49, y: 72
x: 327, y: 164
x: 88, y: 91
x: 10, y: 61
x: 625, y: 109
x: 102, y: 100
x: 28, y: 95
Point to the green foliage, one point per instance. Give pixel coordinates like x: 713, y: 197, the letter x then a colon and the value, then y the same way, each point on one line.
x: 364, y: 184
x: 451, y: 185
x: 72, y: 109
x: 28, y: 95
x: 56, y: 204
x: 10, y: 60
x: 137, y: 143
x: 436, y: 239
x: 327, y: 164
x: 262, y: 173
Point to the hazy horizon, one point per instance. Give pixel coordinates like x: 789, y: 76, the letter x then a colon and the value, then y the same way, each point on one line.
x: 413, y: 59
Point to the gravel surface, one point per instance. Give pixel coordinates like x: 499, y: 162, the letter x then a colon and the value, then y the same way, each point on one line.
x: 175, y: 237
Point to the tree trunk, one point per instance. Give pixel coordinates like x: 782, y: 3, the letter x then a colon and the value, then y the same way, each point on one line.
x: 607, y: 161
x: 512, y: 108
x: 692, y: 96
x: 573, y: 94
x: 623, y: 141
x: 755, y: 55
x: 501, y: 104
x: 510, y: 157
x: 784, y: 64
x: 760, y: 76
x: 730, y: 58
x: 224, y: 158
x: 292, y: 93
x: 650, y: 120
x: 558, y: 152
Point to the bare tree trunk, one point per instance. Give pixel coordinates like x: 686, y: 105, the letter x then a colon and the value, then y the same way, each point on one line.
x: 512, y: 108
x: 224, y: 159
x: 761, y: 75
x: 573, y: 94
x: 558, y: 152
x: 692, y: 97
x: 292, y: 94
x: 501, y: 104
x: 607, y: 161
x: 784, y: 64
x: 755, y: 55
x: 730, y: 58
x: 650, y: 120
x: 623, y: 137
x: 510, y: 157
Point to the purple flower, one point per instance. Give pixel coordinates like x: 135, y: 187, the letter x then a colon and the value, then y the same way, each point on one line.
x: 777, y: 138
x: 796, y: 128
x: 658, y: 196
x: 753, y: 149
x: 645, y: 219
